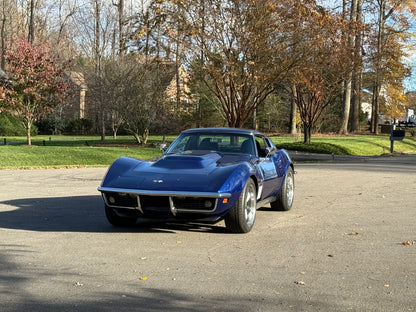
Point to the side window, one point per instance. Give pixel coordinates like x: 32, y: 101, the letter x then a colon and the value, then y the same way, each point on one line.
x: 261, y: 146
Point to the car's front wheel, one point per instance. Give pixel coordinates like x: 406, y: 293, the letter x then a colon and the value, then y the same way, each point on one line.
x: 118, y: 220
x: 285, y: 199
x: 241, y: 217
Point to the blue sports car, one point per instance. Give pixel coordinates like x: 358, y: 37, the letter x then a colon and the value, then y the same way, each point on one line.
x: 206, y: 174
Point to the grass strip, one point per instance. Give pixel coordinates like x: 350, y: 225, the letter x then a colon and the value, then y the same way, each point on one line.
x: 80, y: 151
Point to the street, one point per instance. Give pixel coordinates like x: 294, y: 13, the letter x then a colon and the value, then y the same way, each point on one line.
x: 348, y: 244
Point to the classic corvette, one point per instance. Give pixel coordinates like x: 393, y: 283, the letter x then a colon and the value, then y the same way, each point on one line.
x: 206, y: 174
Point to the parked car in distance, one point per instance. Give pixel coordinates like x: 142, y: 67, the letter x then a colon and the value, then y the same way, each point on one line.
x: 205, y: 175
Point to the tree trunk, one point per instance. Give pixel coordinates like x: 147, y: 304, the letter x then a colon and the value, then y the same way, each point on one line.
x: 28, y: 130
x: 98, y: 68
x: 376, y: 108
x: 378, y: 78
x: 293, y: 111
x: 178, y: 77
x: 115, y: 129
x: 356, y: 74
x: 374, y: 120
x: 178, y: 59
x: 121, y: 41
x: 347, y: 106
x: 356, y: 15
x: 307, y: 134
x: 3, y: 36
x: 347, y: 84
x: 137, y: 138
x: 355, y: 120
x: 31, y: 34
x: 145, y: 136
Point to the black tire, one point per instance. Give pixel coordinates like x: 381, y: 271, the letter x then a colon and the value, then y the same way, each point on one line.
x: 117, y: 220
x: 285, y: 199
x: 240, y: 219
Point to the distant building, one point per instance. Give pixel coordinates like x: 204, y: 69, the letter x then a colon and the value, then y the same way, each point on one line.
x: 76, y: 103
x: 83, y: 102
x: 172, y: 89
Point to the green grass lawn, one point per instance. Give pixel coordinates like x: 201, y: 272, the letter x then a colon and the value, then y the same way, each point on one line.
x: 80, y: 151
x: 366, y: 145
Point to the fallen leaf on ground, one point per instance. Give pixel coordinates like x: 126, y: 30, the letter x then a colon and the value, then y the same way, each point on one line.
x: 143, y: 278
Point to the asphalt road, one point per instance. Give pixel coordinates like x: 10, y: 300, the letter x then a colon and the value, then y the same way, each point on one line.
x: 348, y: 244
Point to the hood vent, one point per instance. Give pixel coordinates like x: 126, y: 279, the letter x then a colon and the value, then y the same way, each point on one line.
x: 187, y: 161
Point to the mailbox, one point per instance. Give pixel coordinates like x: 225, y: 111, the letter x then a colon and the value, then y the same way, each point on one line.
x: 397, y: 135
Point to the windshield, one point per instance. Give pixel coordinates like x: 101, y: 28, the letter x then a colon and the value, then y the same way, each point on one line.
x: 217, y: 142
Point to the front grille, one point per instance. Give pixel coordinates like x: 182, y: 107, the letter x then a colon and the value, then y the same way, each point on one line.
x: 150, y: 204
x: 194, y: 203
x: 154, y: 201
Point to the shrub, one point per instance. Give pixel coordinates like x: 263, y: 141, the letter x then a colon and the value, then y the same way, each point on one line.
x: 81, y: 126
x: 13, y: 126
x: 52, y: 123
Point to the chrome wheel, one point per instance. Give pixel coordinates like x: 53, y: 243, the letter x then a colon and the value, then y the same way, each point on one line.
x: 240, y: 219
x: 290, y: 189
x: 250, y: 204
x: 285, y: 199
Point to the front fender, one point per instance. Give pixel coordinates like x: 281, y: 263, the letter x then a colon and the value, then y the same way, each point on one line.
x: 234, y: 184
x: 118, y: 168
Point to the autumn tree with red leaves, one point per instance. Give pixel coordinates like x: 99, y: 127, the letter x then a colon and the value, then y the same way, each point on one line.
x: 36, y: 82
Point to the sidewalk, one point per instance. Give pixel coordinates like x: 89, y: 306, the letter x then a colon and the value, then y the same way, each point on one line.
x: 314, y: 157
x: 296, y: 156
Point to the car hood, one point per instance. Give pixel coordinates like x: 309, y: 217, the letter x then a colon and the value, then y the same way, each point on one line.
x: 176, y: 172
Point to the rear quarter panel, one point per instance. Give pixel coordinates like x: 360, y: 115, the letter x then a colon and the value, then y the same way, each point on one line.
x: 283, y: 163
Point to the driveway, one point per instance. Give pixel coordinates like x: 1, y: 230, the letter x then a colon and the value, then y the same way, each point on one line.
x: 348, y: 244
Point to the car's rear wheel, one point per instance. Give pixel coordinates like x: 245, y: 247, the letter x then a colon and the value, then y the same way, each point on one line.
x: 241, y: 217
x: 118, y: 220
x: 285, y: 199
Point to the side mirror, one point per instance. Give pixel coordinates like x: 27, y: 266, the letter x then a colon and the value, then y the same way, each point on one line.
x: 270, y: 151
x: 163, y: 147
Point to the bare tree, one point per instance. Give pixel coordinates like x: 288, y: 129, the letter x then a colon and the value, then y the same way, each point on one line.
x: 357, y: 70
x: 244, y: 48
x: 326, y: 64
x: 399, y: 12
x: 130, y: 88
x: 31, y: 32
x: 3, y: 34
x: 347, y: 82
x: 121, y: 22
